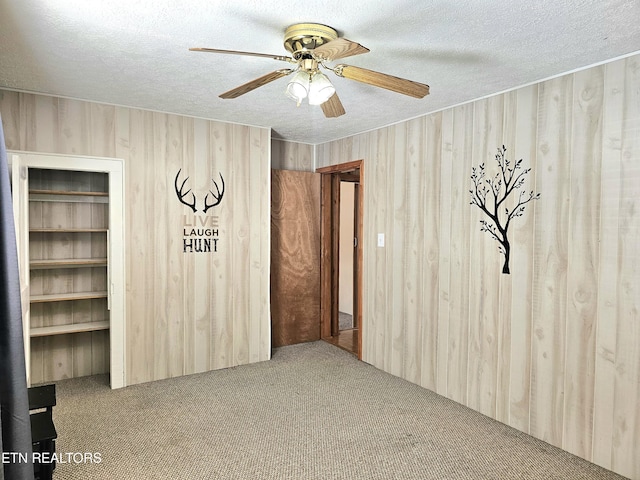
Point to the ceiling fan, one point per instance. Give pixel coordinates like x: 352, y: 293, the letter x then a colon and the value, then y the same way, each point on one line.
x: 312, y: 45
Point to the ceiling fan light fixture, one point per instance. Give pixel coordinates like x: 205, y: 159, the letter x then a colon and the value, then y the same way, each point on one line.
x: 311, y: 45
x: 298, y: 87
x: 320, y: 89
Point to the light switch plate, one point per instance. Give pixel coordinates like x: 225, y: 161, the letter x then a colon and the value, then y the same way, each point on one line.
x: 381, y: 239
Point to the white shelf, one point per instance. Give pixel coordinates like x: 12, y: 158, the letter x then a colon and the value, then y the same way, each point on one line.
x: 63, y: 297
x: 67, y: 263
x: 68, y: 196
x: 65, y: 329
x: 67, y: 230
x: 68, y: 192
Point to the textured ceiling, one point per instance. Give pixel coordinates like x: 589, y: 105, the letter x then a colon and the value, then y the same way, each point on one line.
x: 135, y: 53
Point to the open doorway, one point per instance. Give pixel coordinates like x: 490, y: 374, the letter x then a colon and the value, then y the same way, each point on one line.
x: 341, y: 255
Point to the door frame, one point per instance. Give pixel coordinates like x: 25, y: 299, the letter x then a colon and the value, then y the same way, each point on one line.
x: 329, y: 256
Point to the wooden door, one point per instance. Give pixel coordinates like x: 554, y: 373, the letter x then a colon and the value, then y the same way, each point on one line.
x: 295, y: 257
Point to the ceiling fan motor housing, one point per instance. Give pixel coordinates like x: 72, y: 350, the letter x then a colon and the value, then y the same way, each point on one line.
x: 301, y: 38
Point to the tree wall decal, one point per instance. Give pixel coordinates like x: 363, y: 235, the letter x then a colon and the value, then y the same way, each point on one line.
x: 489, y: 194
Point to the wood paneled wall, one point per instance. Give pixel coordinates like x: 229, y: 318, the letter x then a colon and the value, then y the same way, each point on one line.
x: 292, y: 156
x: 186, y: 312
x: 553, y: 349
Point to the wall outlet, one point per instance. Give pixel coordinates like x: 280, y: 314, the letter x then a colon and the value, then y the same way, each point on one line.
x: 381, y: 239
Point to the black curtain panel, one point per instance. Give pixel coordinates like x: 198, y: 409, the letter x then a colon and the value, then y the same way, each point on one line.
x: 15, y: 446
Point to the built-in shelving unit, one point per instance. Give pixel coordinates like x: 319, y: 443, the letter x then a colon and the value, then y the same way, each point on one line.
x: 72, y: 267
x: 70, y: 213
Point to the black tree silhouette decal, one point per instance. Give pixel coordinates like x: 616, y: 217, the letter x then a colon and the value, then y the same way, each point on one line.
x: 488, y: 194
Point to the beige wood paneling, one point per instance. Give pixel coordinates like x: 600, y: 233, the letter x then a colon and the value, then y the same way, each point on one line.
x: 413, y: 207
x: 261, y: 248
x: 458, y: 335
x: 442, y: 254
x: 219, y: 148
x: 583, y: 260
x: 240, y: 251
x: 523, y: 133
x: 505, y: 291
x: 485, y: 267
x: 376, y: 265
x: 608, y: 287
x: 186, y: 312
x: 381, y: 187
x: 292, y: 156
x: 432, y: 224
x: 553, y: 349
x: 550, y: 260
x: 626, y: 414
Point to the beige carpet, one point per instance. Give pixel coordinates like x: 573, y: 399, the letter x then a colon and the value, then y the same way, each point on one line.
x: 345, y: 321
x: 312, y: 412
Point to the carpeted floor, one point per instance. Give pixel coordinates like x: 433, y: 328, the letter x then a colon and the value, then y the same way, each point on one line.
x: 312, y: 412
x: 345, y: 321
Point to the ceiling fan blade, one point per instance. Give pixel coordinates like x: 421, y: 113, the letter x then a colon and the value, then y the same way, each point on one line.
x: 333, y: 107
x: 258, y: 82
x: 236, y: 52
x: 338, y: 48
x: 382, y: 80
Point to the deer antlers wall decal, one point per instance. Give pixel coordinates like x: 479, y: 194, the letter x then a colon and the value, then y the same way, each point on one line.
x: 182, y: 195
x: 217, y: 197
x: 500, y: 187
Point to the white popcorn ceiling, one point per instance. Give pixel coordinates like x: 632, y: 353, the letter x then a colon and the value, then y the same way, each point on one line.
x: 135, y: 53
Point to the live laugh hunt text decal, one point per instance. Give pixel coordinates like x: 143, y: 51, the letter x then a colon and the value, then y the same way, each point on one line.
x: 199, y: 230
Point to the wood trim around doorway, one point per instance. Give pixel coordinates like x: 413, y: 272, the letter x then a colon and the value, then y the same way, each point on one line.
x: 330, y: 200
